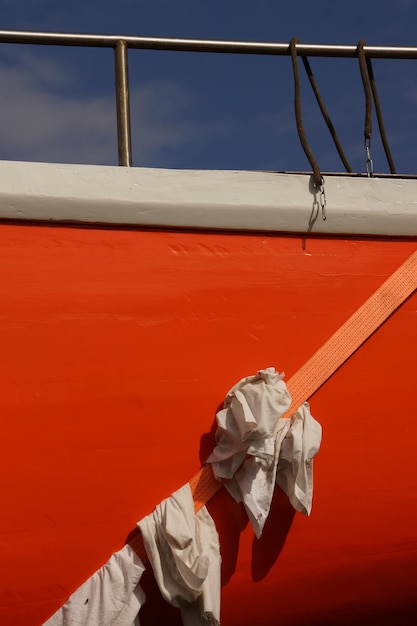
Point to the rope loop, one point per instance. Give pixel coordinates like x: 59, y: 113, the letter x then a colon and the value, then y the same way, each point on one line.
x: 325, y: 114
x: 318, y: 179
x: 379, y: 117
x: 368, y: 94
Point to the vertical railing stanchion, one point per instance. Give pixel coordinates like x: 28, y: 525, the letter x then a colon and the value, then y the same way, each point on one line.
x: 122, y: 104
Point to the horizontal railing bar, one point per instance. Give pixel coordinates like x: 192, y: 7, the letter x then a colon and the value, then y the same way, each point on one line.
x: 202, y: 45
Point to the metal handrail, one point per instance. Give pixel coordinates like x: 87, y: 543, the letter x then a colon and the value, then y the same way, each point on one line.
x: 121, y: 44
x: 203, y: 45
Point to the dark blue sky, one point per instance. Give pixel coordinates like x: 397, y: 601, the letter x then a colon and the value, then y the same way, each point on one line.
x: 204, y: 110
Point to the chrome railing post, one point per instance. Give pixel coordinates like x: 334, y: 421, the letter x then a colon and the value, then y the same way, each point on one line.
x: 124, y: 142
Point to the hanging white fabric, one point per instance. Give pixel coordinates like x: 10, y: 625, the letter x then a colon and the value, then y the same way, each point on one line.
x: 110, y: 597
x: 250, y: 425
x: 295, y: 463
x: 183, y: 549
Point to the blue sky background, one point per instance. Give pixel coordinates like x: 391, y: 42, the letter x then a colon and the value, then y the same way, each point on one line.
x: 194, y: 110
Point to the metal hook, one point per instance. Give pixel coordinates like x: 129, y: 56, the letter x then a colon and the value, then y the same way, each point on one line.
x: 369, y: 162
x: 323, y: 200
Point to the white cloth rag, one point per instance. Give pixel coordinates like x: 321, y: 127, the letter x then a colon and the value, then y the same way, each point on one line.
x: 295, y: 463
x: 248, y: 421
x: 183, y: 549
x: 251, y: 424
x: 110, y: 597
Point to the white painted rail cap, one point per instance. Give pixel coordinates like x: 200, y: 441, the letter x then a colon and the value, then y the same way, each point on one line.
x: 206, y: 199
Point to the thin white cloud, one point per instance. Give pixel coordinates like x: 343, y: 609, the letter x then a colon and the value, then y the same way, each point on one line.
x: 39, y: 123
x: 41, y: 120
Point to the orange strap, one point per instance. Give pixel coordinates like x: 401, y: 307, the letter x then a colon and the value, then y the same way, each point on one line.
x: 332, y: 354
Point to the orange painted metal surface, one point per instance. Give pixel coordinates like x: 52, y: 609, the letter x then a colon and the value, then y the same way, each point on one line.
x: 117, y: 349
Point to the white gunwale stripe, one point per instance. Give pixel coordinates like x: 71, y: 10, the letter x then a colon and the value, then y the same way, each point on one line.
x: 205, y: 199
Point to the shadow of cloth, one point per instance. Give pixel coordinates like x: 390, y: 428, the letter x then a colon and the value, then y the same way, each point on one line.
x: 229, y: 516
x: 266, y: 550
x: 208, y: 440
x: 156, y: 610
x: 230, y: 519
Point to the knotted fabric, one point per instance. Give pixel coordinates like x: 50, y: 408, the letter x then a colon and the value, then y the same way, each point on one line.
x: 183, y: 549
x: 251, y: 438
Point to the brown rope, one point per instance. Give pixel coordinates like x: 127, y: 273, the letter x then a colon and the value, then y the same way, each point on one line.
x: 368, y: 92
x: 325, y: 114
x: 318, y: 179
x: 379, y: 116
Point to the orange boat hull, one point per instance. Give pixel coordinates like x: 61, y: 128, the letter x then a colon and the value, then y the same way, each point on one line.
x: 118, y: 346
